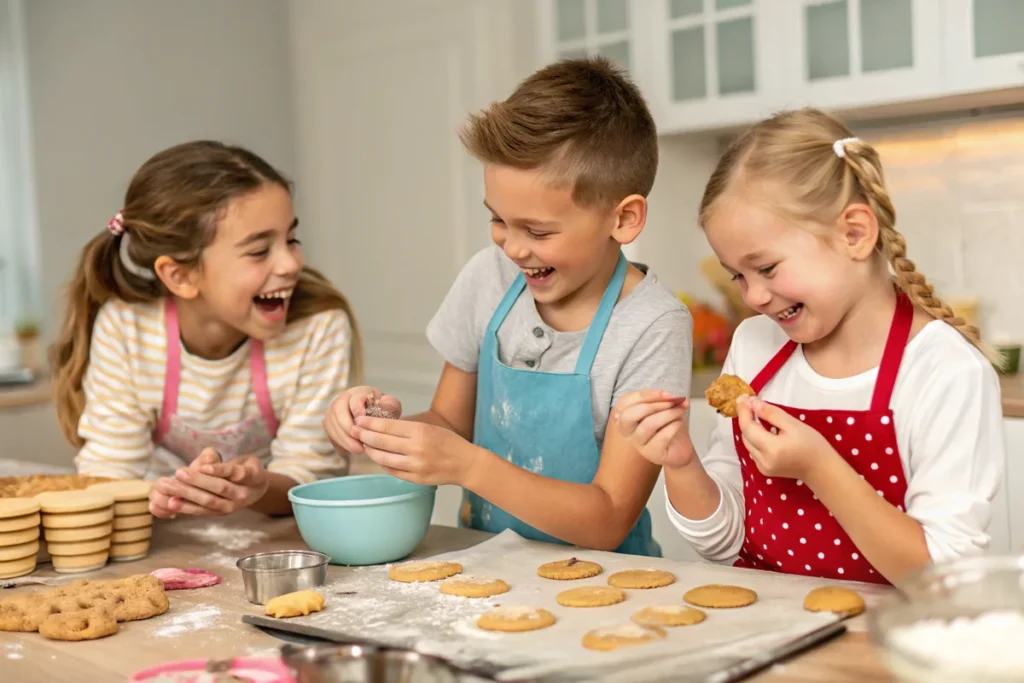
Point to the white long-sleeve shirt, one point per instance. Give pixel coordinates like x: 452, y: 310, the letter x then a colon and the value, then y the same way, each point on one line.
x: 307, y: 366
x: 948, y: 417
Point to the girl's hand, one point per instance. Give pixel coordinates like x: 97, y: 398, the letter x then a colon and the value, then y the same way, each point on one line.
x: 654, y: 423
x: 339, y: 423
x: 415, y: 451
x: 208, y: 487
x: 164, y: 503
x: 787, y: 448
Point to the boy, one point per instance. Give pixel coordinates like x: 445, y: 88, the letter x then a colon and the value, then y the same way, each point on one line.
x: 544, y: 331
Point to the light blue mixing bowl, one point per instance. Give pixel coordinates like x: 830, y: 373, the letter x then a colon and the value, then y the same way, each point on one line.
x: 365, y: 519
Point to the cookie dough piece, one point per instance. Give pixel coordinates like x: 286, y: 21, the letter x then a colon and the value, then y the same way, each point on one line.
x: 841, y: 601
x: 715, y: 595
x: 124, y: 490
x: 669, y: 615
x: 185, y: 579
x: 590, y: 596
x: 423, y: 571
x: 569, y: 570
x: 88, y: 624
x: 295, y: 604
x: 514, y: 618
x: 623, y: 635
x: 474, y: 587
x: 724, y: 391
x: 641, y: 578
x: 18, y: 614
x: 63, y: 502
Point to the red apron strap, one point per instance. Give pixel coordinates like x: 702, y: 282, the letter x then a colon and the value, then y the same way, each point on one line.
x: 773, y: 366
x: 899, y: 333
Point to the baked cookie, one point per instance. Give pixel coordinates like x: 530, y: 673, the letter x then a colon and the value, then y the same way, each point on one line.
x: 714, y: 595
x: 569, y: 570
x: 19, y: 523
x: 590, y: 596
x: 131, y: 508
x: 841, y: 601
x: 641, y: 578
x: 15, y: 508
x: 623, y: 635
x: 514, y: 618
x: 65, y: 502
x: 299, y: 603
x: 474, y: 587
x: 724, y: 391
x: 423, y: 571
x: 124, y: 490
x: 87, y: 624
x: 669, y: 615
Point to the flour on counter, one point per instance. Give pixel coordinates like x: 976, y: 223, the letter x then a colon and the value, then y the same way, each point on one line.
x: 13, y: 651
x: 194, y: 619
x: 229, y: 538
x: 221, y: 560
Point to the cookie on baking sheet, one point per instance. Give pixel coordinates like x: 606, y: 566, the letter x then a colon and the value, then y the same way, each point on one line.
x: 299, y: 603
x: 474, y: 587
x: 623, y: 635
x: 724, y: 391
x: 641, y: 578
x: 568, y: 570
x: 835, y: 599
x: 719, y: 596
x: 423, y: 570
x: 669, y: 615
x: 514, y: 618
x: 590, y: 596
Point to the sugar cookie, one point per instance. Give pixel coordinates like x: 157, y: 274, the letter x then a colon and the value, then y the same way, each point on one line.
x: 63, y: 502
x: 9, y: 538
x: 15, y: 568
x: 719, y: 596
x: 423, y: 570
x: 86, y: 533
x: 128, y: 552
x: 17, y: 507
x: 124, y: 490
x: 17, y: 552
x: 80, y: 563
x: 131, y: 535
x: 299, y: 603
x: 75, y: 520
x: 835, y: 599
x: 132, y: 522
x: 590, y: 596
x: 19, y: 523
x: 568, y: 570
x: 474, y: 587
x: 623, y: 635
x: 669, y: 615
x: 79, y: 547
x: 515, y: 618
x: 724, y: 391
x: 130, y: 508
x: 641, y: 578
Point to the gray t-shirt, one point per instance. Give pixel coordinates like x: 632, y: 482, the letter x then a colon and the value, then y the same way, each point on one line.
x: 648, y: 343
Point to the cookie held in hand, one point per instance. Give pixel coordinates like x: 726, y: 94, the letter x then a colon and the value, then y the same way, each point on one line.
x: 724, y: 391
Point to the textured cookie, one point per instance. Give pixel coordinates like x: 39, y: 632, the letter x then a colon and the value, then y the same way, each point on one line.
x: 641, y: 578
x: 568, y: 570
x: 515, y: 618
x: 623, y: 635
x: 64, y: 502
x: 590, y: 596
x: 841, y: 601
x: 474, y: 587
x: 87, y: 624
x: 669, y: 615
x: 714, y: 595
x: 124, y: 490
x: 17, y: 507
x: 724, y: 391
x: 423, y: 571
x: 19, y: 614
x: 299, y: 603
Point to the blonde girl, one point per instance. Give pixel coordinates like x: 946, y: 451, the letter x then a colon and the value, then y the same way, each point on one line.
x: 197, y: 349
x: 875, y: 441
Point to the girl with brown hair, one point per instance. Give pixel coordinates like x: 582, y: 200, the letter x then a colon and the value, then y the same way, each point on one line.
x: 197, y: 349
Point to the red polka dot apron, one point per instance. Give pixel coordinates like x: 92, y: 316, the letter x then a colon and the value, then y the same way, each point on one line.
x: 787, y: 528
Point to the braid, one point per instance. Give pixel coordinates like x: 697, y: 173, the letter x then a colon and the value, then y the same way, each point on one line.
x: 866, y: 168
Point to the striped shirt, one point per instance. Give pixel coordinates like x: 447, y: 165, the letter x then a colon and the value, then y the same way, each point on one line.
x: 307, y: 366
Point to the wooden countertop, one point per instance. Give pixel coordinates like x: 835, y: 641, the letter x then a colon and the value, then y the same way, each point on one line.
x: 207, y: 622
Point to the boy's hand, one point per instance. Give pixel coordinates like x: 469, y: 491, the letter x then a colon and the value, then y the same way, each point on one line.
x: 339, y: 423
x: 654, y: 423
x: 417, y: 452
x: 209, y: 487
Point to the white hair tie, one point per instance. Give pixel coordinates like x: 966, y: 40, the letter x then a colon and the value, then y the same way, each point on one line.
x: 839, y: 146
x: 129, y: 265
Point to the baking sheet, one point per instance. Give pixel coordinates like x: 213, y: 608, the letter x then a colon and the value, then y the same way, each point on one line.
x: 365, y: 605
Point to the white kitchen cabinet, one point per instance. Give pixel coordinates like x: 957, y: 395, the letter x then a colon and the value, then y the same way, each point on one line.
x: 984, y: 47
x: 578, y: 28
x: 855, y: 53
x: 1012, y: 506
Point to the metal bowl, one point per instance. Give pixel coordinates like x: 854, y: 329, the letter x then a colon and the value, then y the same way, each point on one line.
x: 364, y: 664
x: 268, y: 575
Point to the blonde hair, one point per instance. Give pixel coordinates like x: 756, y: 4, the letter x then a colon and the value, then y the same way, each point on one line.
x: 823, y: 169
x: 580, y: 120
x: 171, y: 208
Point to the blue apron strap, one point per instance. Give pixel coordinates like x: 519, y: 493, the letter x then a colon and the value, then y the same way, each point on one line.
x: 604, y: 313
x: 507, y: 301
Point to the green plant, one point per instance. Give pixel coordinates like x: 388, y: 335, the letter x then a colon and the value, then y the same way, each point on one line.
x: 27, y: 328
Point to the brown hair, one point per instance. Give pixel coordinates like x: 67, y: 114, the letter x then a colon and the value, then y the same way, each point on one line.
x: 580, y: 120
x: 171, y: 208
x: 796, y: 151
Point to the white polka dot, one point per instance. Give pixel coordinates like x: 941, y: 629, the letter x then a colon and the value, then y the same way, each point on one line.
x: 874, y: 465
x: 849, y: 420
x: 880, y: 493
x: 762, y: 520
x: 760, y: 492
x: 779, y: 563
x: 821, y: 556
x: 855, y: 451
x: 840, y: 570
x: 769, y: 480
x: 885, y: 419
x: 888, y: 451
x: 871, y: 571
x: 815, y: 496
x: 760, y: 557
x: 837, y: 541
x: 817, y: 527
x: 769, y: 511
x: 737, y: 437
x: 855, y: 556
x: 830, y: 514
x: 790, y: 553
x: 774, y: 430
x: 799, y: 483
x: 900, y: 508
x: 800, y: 511
x: 867, y: 437
x: 773, y: 537
x: 807, y: 567
x: 894, y: 479
x: 746, y: 483
x: 783, y: 496
x: 803, y: 541
x: 829, y: 419
x: 764, y: 547
x: 785, y: 525
x: 839, y: 437
x: 751, y: 529
x: 755, y: 501
x: 802, y: 416
x: 862, y: 476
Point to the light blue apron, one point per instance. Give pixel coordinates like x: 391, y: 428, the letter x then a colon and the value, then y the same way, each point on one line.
x: 542, y: 421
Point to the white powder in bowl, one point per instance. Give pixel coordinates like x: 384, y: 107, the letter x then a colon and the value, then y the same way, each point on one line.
x: 989, y: 644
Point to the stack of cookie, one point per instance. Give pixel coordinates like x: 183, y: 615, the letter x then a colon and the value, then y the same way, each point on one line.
x: 133, y: 524
x: 77, y: 526
x: 19, y: 536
